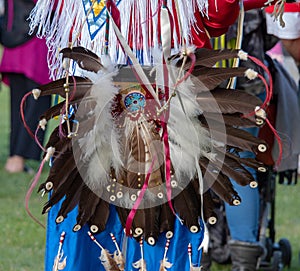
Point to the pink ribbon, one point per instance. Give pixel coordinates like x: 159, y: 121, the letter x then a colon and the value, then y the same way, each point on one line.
x: 29, y: 193
x: 22, y: 105
x: 139, y: 199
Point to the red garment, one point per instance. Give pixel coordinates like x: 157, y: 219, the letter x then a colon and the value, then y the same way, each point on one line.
x: 219, y: 18
x: 29, y: 59
x: 221, y: 14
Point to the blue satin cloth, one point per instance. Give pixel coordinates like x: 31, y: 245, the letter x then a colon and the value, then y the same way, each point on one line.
x: 83, y: 254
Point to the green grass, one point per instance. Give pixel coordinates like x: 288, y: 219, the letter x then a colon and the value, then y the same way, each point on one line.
x: 22, y: 241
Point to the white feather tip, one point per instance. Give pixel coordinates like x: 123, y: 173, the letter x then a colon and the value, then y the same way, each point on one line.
x: 43, y: 123
x: 251, y: 74
x: 242, y: 55
x: 49, y: 154
x: 36, y: 93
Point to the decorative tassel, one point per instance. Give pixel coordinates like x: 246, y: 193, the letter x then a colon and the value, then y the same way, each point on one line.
x: 141, y: 264
x: 108, y: 262
x: 118, y: 256
x: 164, y: 264
x: 60, y: 264
x: 192, y: 268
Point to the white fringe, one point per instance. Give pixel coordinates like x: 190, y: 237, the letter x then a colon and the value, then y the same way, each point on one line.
x: 55, y: 25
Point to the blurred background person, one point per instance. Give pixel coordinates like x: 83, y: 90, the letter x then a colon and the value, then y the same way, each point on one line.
x: 23, y: 68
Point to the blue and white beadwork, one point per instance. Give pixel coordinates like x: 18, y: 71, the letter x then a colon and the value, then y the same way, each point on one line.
x: 134, y: 101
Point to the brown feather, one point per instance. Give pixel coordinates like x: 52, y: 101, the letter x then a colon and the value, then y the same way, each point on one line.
x: 213, y: 77
x: 208, y: 58
x: 78, y: 87
x: 53, y: 111
x: 233, y: 169
x: 135, y: 159
x: 249, y: 162
x: 227, y: 101
x: 218, y: 182
x: 226, y: 192
x: 236, y: 119
x: 55, y: 137
x: 72, y: 198
x: 58, y: 194
x: 61, y: 168
x: 233, y: 137
x: 166, y: 219
x: 85, y: 58
x: 87, y: 205
x: 152, y: 225
x: 208, y: 206
x: 123, y: 214
x: 139, y: 222
x: 100, y: 216
x: 187, y: 207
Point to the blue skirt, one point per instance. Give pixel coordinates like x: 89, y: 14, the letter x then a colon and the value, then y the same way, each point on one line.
x: 83, y: 254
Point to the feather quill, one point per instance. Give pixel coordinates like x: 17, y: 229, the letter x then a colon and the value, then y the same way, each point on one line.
x: 164, y: 263
x: 59, y: 262
x: 141, y: 264
x: 118, y: 256
x: 192, y: 267
x: 106, y: 259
